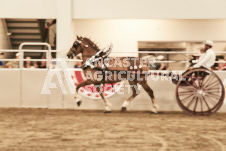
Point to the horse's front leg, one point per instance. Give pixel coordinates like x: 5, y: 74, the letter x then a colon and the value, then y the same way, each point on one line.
x: 76, y: 96
x: 106, y: 102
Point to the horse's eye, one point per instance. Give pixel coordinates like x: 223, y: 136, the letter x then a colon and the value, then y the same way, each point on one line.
x: 75, y: 45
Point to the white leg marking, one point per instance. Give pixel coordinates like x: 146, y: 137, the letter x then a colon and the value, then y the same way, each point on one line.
x: 108, y: 103
x: 125, y: 104
x: 107, y: 108
x: 155, y: 108
x: 77, y: 98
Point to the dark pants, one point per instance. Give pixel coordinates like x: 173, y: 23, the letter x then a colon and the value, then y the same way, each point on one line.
x: 203, y: 74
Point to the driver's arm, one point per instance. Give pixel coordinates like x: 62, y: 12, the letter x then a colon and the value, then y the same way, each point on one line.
x: 203, y: 60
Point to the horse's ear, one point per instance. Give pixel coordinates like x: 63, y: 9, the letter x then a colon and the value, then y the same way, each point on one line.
x: 77, y: 36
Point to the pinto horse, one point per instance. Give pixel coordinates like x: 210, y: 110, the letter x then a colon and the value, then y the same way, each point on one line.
x: 131, y: 66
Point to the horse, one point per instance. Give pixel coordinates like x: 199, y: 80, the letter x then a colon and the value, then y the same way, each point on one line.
x: 88, y: 48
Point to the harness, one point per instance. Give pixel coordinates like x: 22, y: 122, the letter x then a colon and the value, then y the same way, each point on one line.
x: 100, y: 55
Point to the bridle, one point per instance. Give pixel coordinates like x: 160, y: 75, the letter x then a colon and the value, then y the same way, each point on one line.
x: 75, y: 45
x: 77, y: 42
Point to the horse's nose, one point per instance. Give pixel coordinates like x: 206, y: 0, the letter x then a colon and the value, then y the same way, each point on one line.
x: 70, y: 55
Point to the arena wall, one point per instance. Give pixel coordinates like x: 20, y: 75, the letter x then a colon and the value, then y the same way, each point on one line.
x: 22, y: 88
x: 28, y: 9
x: 115, y: 9
x: 148, y: 9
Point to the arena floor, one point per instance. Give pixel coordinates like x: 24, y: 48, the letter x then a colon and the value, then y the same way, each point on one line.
x: 72, y: 130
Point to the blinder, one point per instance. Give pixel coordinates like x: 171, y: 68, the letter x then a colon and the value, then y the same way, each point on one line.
x: 77, y: 42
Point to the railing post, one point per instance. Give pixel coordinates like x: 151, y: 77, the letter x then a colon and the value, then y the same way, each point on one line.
x: 48, y: 54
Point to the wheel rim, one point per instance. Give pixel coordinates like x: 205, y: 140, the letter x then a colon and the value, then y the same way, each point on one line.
x: 201, y: 94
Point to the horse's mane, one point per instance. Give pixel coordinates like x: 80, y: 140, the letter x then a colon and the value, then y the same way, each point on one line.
x: 92, y: 43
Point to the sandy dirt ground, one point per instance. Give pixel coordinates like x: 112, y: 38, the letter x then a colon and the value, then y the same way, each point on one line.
x: 72, y: 130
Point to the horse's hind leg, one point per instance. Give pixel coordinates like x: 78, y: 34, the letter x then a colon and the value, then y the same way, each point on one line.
x: 151, y: 94
x: 106, y: 102
x: 135, y: 91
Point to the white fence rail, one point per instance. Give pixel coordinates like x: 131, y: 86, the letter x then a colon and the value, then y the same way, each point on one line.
x: 49, y: 51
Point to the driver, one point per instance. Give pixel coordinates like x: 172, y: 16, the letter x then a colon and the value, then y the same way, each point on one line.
x: 207, y: 58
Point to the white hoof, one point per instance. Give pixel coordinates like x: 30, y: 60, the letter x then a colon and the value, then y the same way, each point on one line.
x: 154, y: 111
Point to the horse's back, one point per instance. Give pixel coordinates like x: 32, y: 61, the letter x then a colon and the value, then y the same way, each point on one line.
x: 127, y: 64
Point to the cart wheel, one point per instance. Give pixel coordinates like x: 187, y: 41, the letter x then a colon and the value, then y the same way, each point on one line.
x: 200, y: 92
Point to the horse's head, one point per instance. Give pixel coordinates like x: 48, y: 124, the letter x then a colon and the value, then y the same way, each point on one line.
x: 76, y: 48
x: 84, y: 46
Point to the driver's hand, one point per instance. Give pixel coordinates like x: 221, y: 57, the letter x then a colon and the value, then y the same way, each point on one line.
x: 190, y: 68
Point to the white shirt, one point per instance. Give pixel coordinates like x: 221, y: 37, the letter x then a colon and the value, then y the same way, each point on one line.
x: 206, y: 59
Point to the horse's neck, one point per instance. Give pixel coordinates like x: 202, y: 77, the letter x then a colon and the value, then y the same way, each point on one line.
x: 89, y: 51
x: 88, y: 54
x: 84, y: 58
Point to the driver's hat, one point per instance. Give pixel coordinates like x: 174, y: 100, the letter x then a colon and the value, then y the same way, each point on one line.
x: 208, y: 42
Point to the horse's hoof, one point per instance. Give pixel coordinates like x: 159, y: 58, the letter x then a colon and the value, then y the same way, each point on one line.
x: 79, y: 102
x: 123, y: 109
x: 153, y: 112
x: 107, y: 111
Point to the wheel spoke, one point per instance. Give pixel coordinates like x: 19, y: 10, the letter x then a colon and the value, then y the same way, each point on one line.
x: 211, y: 101
x: 196, y: 102
x: 201, y: 104
x: 212, y: 90
x: 212, y: 96
x: 190, y: 103
x: 212, y: 84
x: 211, y: 77
x: 203, y: 79
x: 198, y: 73
x: 194, y: 84
x: 191, y: 85
x: 206, y: 102
x: 187, y: 88
x: 200, y: 81
x: 185, y: 93
x: 185, y: 99
x: 193, y: 79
